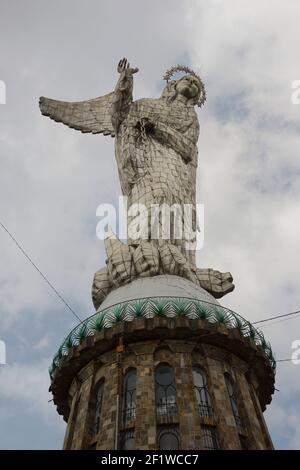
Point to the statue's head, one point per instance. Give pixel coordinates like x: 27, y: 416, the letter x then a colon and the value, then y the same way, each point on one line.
x: 190, y: 86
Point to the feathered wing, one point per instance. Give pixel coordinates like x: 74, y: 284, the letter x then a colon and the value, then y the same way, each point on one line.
x: 92, y: 116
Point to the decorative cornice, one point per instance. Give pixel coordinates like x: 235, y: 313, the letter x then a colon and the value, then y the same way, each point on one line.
x: 160, y: 307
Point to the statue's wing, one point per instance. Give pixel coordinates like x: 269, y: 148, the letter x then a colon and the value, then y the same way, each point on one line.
x: 86, y: 116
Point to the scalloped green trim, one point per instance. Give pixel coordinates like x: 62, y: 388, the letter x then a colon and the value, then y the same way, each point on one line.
x: 161, y: 307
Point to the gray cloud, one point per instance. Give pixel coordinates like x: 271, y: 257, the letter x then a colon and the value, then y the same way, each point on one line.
x: 52, y: 178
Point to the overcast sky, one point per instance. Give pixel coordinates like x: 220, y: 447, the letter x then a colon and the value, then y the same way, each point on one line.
x: 53, y: 178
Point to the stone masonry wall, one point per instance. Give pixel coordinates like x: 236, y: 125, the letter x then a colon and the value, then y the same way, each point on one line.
x: 182, y: 355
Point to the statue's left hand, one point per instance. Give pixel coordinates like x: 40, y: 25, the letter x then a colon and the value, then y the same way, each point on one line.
x: 124, y: 67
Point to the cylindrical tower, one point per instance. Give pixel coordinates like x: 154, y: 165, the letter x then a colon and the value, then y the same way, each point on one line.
x: 162, y: 365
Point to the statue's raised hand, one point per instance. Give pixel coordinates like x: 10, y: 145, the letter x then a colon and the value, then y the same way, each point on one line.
x: 124, y: 67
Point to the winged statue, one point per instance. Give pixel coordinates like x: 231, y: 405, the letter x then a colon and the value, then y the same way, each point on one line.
x: 157, y: 157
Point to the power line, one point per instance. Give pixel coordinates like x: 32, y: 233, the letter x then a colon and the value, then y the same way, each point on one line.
x: 40, y: 272
x: 276, y: 322
x: 278, y: 316
x: 285, y: 360
x: 71, y: 309
x: 78, y: 318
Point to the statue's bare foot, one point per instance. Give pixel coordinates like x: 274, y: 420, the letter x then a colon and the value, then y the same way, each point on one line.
x: 216, y: 283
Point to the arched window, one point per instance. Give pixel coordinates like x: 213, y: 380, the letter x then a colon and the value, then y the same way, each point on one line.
x: 127, y: 441
x: 209, y: 438
x: 168, y: 438
x: 129, y: 397
x: 233, y: 400
x: 165, y: 391
x: 97, y: 406
x: 202, y: 393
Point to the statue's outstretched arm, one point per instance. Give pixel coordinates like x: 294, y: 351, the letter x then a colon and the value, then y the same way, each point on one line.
x: 122, y: 94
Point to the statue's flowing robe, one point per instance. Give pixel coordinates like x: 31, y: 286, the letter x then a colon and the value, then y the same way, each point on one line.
x: 160, y: 167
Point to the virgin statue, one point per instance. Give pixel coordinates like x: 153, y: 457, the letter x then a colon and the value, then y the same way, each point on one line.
x: 157, y: 156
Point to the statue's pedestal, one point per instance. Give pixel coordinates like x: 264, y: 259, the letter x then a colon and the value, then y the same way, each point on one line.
x: 132, y: 380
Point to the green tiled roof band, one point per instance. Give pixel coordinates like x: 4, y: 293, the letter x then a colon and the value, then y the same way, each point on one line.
x: 164, y: 307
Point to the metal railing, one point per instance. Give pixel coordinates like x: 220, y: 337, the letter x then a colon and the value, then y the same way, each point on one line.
x: 162, y: 307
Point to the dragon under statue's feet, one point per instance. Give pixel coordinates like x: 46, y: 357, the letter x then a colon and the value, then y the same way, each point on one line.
x: 126, y: 263
x: 216, y: 283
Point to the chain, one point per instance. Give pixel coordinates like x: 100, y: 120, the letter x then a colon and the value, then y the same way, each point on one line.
x: 143, y: 141
x: 143, y: 133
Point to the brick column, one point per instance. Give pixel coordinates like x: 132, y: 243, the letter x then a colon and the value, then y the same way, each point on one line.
x: 227, y: 430
x: 145, y: 423
x: 109, y: 407
x: 85, y: 376
x: 185, y: 394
